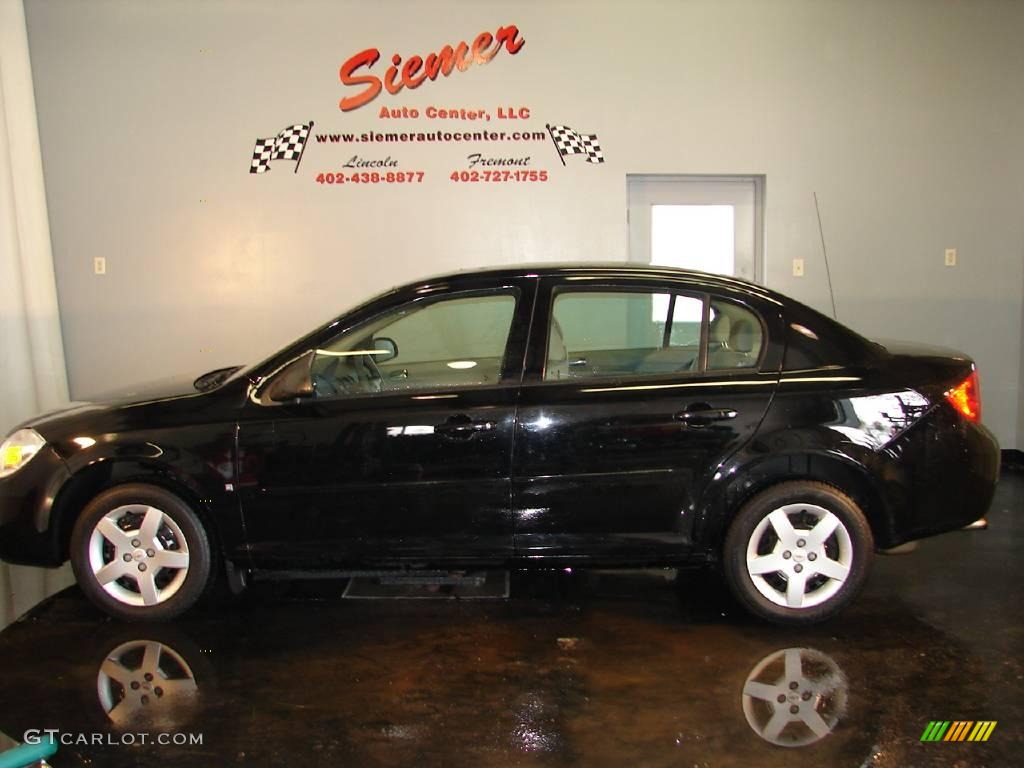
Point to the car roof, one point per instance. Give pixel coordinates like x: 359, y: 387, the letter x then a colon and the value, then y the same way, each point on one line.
x: 797, y: 311
x: 606, y: 269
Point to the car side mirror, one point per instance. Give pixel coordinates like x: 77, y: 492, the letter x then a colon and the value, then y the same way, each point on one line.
x: 293, y: 382
x: 386, y: 349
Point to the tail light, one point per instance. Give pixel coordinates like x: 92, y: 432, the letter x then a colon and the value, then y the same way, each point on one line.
x: 966, y: 397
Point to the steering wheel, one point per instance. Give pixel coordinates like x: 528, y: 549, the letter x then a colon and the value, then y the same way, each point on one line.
x: 376, y: 378
x: 324, y: 383
x: 348, y: 374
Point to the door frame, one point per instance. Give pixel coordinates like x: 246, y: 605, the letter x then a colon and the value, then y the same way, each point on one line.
x: 759, y: 181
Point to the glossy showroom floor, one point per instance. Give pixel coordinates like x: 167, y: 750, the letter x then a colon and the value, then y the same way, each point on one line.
x: 590, y: 669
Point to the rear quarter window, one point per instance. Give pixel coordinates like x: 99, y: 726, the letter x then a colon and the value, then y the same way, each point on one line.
x: 735, y: 336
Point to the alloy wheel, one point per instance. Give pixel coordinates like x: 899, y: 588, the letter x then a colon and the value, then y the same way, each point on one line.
x: 799, y: 555
x: 138, y: 555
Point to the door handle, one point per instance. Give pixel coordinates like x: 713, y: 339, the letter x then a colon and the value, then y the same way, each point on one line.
x: 699, y: 415
x: 463, y: 428
x: 578, y: 363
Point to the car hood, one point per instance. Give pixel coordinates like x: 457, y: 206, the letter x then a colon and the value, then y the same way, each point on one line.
x: 153, y: 393
x: 170, y: 386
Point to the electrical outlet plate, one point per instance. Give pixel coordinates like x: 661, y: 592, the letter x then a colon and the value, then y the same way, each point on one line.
x: 99, y: 265
x: 951, y: 257
x: 798, y: 267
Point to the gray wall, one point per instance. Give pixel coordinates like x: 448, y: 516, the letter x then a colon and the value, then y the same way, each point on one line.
x: 21, y: 588
x: 1020, y: 395
x: 905, y: 118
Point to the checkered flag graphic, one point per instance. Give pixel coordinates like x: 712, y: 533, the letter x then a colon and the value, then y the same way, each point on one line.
x: 289, y: 144
x: 569, y: 142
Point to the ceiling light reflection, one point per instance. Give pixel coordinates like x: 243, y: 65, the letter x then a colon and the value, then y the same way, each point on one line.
x: 410, y: 430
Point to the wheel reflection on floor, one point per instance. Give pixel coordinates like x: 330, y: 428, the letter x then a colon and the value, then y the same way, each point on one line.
x: 795, y: 697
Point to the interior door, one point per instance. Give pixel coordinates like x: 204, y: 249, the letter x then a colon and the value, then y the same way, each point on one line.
x: 623, y: 420
x: 706, y: 223
x: 394, y: 461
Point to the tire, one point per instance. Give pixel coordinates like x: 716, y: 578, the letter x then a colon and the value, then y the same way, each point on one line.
x: 140, y: 553
x: 784, y: 573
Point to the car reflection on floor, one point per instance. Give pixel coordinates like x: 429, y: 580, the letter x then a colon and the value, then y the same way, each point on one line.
x: 586, y: 668
x: 792, y: 697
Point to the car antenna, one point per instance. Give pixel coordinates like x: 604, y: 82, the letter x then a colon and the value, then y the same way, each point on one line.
x: 824, y: 252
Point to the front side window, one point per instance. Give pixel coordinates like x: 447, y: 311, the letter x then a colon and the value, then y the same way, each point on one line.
x: 453, y: 342
x: 623, y: 333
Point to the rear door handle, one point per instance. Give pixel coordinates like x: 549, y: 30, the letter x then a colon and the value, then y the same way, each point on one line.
x: 699, y: 415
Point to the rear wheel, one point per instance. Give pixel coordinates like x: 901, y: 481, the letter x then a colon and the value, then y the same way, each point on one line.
x: 798, y: 552
x: 139, y: 553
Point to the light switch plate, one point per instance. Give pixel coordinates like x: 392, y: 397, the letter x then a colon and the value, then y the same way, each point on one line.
x: 99, y: 265
x: 798, y: 267
x: 951, y: 257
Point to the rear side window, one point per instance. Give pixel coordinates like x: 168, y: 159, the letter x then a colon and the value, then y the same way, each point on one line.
x: 616, y: 334
x: 623, y: 333
x: 735, y: 337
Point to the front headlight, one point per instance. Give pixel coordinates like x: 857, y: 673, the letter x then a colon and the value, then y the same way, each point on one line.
x: 18, y: 450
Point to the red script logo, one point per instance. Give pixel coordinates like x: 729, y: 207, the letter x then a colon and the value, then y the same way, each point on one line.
x: 415, y: 70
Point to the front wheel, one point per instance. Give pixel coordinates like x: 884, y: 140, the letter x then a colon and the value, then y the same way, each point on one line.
x: 140, y: 554
x: 798, y: 552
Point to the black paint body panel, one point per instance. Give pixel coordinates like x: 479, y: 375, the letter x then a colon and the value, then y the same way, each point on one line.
x: 596, y: 471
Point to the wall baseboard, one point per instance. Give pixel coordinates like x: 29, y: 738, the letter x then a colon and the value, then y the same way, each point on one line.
x: 1013, y: 458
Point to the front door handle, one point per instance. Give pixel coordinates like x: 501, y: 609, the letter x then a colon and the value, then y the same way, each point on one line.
x: 700, y: 415
x: 463, y: 428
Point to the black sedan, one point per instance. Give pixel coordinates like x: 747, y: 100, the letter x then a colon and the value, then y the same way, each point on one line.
x: 538, y: 416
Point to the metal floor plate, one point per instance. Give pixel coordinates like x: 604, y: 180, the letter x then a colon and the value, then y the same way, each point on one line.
x: 476, y: 585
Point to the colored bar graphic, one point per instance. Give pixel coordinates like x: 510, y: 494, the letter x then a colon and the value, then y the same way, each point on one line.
x: 958, y: 730
x: 982, y: 730
x: 935, y: 730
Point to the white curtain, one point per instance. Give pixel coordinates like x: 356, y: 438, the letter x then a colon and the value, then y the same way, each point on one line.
x: 32, y: 375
